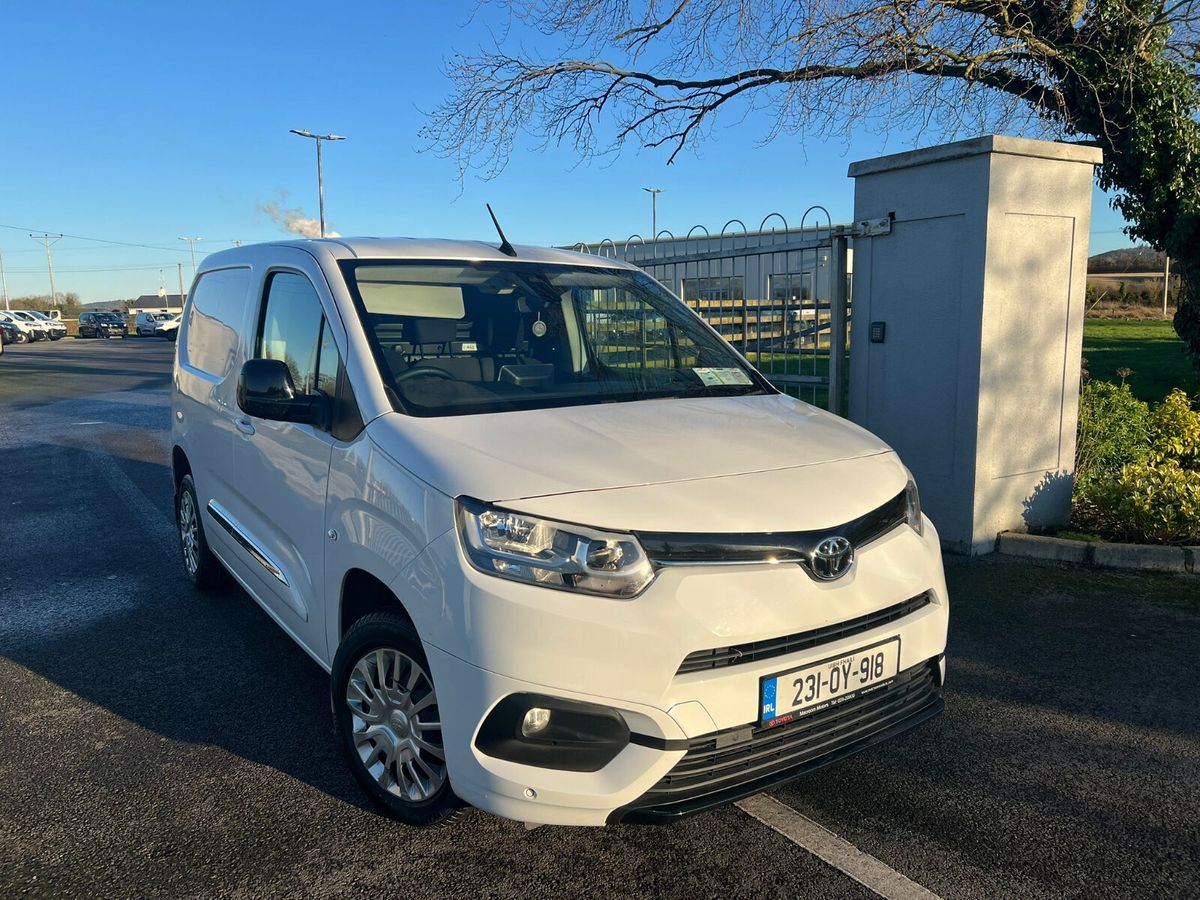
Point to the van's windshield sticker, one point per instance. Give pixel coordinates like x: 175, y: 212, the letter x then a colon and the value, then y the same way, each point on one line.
x: 714, y: 376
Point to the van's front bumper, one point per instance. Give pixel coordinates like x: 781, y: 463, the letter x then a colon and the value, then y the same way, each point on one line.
x: 697, y: 739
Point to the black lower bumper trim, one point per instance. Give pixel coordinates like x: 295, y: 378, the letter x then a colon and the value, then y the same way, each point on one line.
x: 649, y: 811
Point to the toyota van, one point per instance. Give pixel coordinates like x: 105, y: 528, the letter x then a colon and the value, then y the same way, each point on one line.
x: 566, y: 556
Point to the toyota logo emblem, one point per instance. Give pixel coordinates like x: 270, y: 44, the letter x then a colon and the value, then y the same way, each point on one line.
x: 832, y: 558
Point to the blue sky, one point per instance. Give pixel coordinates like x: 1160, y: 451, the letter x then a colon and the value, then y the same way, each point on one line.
x: 143, y: 122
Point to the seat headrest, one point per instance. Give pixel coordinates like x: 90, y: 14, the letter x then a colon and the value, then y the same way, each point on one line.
x: 431, y: 331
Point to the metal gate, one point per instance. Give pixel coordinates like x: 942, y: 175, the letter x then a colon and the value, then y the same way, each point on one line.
x: 782, y: 295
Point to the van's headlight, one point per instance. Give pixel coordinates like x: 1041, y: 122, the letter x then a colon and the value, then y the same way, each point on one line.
x: 554, y: 554
x: 912, y: 507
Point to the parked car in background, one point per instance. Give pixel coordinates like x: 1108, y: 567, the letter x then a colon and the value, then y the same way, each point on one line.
x: 8, y: 333
x: 56, y: 328
x: 25, y: 331
x: 42, y: 327
x: 432, y: 468
x: 102, y: 324
x: 145, y: 323
x: 168, y: 328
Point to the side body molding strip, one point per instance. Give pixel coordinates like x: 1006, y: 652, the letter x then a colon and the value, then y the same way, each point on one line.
x: 221, y: 517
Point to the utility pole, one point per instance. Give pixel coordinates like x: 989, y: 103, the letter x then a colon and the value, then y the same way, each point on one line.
x: 191, y: 242
x: 1166, y: 282
x: 49, y: 239
x: 180, y: 265
x: 4, y: 280
x: 653, y: 192
x: 320, y: 181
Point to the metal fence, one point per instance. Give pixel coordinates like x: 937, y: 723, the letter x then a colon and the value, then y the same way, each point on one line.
x: 780, y: 295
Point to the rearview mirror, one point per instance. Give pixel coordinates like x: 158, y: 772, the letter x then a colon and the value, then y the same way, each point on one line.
x: 266, y: 390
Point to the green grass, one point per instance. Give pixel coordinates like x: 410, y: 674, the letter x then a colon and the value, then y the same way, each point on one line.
x: 1151, y: 349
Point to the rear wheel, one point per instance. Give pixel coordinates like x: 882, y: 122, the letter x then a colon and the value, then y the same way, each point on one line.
x: 385, y: 709
x: 202, y: 567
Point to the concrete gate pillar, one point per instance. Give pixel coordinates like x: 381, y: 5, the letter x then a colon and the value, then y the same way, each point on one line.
x: 968, y: 325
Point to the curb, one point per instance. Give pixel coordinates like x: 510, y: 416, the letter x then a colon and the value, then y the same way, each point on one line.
x: 1102, y: 555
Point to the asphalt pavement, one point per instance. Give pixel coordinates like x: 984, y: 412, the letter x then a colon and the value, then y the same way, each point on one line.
x: 157, y: 742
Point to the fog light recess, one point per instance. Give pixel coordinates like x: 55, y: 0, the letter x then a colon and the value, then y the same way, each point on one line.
x: 553, y: 733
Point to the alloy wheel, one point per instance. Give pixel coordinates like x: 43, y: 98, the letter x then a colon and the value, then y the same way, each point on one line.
x: 396, y: 728
x: 189, y: 533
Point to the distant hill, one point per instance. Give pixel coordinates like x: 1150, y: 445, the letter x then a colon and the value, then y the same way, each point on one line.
x: 1127, y: 259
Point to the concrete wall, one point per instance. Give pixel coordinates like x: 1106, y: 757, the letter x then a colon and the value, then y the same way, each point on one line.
x: 980, y: 283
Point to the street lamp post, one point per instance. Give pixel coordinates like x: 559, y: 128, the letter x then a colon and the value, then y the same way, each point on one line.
x: 191, y: 242
x: 653, y: 192
x: 320, y: 179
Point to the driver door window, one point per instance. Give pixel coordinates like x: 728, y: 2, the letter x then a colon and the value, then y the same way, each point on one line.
x: 291, y: 328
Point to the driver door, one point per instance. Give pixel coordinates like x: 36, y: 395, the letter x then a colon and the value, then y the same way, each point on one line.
x: 281, y: 469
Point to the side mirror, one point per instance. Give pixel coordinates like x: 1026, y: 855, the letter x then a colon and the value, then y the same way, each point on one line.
x: 265, y: 390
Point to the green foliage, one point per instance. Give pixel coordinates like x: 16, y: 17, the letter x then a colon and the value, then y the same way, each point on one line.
x: 1114, y: 430
x: 1126, y: 87
x: 1157, y: 504
x: 1175, y: 432
x: 1138, y: 470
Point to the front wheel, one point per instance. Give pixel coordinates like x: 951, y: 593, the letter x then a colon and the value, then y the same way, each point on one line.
x: 22, y: 337
x: 385, y: 710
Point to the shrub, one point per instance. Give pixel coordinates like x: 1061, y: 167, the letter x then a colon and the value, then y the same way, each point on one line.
x: 1145, y: 503
x: 1175, y: 431
x: 1114, y: 430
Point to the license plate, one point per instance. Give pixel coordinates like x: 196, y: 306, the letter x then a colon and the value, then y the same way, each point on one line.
x: 817, y: 686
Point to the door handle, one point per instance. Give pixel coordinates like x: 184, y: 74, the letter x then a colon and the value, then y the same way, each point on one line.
x: 244, y: 425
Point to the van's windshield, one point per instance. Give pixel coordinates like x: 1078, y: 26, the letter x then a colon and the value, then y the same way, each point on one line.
x: 459, y: 338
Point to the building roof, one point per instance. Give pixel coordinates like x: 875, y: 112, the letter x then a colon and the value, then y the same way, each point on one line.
x: 154, y: 301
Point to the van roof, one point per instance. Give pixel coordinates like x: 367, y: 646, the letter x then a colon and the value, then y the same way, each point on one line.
x: 425, y: 249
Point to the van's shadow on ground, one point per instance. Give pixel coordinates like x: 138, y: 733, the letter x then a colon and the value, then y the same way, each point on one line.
x: 114, y: 620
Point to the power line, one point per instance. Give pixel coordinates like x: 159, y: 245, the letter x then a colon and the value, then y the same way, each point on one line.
x: 83, y: 237
x: 30, y: 270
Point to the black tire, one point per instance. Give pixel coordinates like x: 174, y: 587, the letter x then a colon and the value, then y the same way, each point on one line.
x: 382, y: 631
x: 22, y: 337
x: 207, y: 574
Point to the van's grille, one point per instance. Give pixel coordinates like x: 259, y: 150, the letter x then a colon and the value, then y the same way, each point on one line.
x: 701, y: 660
x: 722, y: 767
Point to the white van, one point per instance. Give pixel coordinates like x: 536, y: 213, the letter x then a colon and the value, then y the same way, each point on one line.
x: 55, y: 328
x: 27, y: 331
x: 566, y: 555
x: 145, y: 322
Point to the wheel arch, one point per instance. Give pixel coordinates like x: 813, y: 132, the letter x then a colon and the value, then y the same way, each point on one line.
x: 362, y: 594
x: 180, y: 465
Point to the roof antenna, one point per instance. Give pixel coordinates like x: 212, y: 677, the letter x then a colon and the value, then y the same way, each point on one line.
x: 505, y: 247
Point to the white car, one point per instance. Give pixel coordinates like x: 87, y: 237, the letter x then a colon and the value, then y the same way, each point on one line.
x: 555, y: 569
x: 168, y: 328
x: 55, y: 329
x: 26, y: 331
x: 145, y: 323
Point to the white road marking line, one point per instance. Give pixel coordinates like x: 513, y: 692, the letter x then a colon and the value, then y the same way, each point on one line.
x: 842, y: 855
x: 87, y: 423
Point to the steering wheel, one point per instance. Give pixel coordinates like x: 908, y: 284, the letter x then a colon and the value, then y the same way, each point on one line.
x: 424, y: 372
